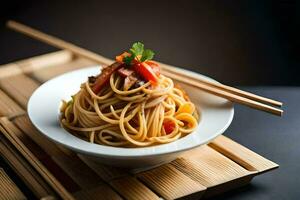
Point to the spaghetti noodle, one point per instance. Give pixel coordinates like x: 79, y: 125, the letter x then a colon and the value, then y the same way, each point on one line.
x: 145, y: 114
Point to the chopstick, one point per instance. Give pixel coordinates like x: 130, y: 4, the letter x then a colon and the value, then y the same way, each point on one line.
x: 224, y: 87
x: 56, y: 42
x: 225, y: 94
x: 230, y: 93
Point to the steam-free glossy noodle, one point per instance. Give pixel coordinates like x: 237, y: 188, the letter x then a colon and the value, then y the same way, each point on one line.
x: 130, y: 118
x: 144, y: 115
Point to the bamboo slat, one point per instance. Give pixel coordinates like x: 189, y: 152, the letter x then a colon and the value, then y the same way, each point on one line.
x: 42, y: 155
x: 130, y: 188
x: 43, y: 61
x: 170, y: 183
x: 28, y: 175
x: 78, y: 171
x: 8, y: 107
x: 209, y: 167
x: 19, y: 87
x: 107, y: 173
x: 8, y: 189
x: 216, y: 180
x: 47, y: 73
x: 244, y: 156
x: 10, y: 69
x: 103, y: 192
x: 24, y: 124
x: 37, y: 151
x: 35, y: 63
x: 6, y: 128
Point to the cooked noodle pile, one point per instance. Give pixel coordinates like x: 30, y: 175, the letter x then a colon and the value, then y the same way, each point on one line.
x: 142, y: 116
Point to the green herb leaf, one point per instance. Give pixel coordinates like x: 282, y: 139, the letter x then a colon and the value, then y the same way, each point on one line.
x: 137, y: 48
x: 137, y: 52
x: 128, y: 59
x: 147, y: 55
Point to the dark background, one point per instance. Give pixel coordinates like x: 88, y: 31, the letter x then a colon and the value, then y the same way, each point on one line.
x: 236, y: 42
x: 242, y: 43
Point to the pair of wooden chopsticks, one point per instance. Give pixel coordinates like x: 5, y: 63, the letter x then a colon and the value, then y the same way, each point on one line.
x: 218, y: 89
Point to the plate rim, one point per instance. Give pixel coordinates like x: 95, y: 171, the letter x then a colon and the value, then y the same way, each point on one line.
x: 147, y: 150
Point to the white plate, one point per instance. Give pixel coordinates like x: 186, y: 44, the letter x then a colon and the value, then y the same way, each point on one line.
x: 43, y: 109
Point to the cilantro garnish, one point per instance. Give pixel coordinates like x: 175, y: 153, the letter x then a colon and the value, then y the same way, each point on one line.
x: 138, y: 52
x: 127, y: 60
x: 147, y: 55
x: 137, y: 48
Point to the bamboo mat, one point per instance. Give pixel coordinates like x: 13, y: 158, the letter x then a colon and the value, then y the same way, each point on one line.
x: 51, y: 171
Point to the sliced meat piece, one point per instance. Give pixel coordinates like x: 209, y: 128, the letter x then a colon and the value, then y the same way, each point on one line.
x: 124, y: 72
x: 103, y: 78
x: 129, y: 81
